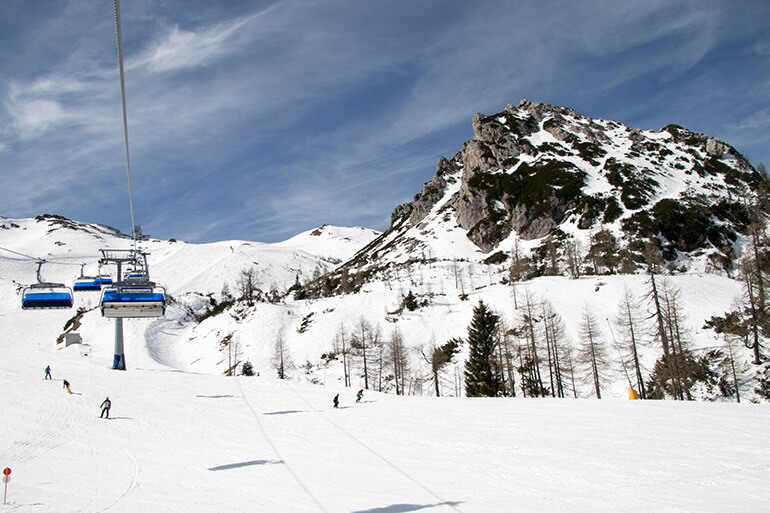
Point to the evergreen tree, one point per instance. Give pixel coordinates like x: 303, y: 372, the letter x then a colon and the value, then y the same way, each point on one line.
x: 299, y: 290
x: 247, y: 369
x: 410, y: 302
x: 603, y: 252
x: 482, y: 378
x: 438, y: 357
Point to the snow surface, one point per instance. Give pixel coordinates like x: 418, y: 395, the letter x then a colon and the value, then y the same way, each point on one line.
x: 182, y: 437
x: 187, y: 442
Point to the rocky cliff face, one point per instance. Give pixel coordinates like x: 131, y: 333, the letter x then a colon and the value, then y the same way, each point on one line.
x: 535, y: 168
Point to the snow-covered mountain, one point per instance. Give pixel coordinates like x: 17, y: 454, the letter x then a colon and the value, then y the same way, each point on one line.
x: 192, y: 274
x: 537, y: 172
x: 537, y: 183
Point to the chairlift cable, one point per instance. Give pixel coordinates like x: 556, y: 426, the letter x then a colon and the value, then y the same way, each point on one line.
x: 125, y: 118
x: 21, y: 254
x: 36, y: 259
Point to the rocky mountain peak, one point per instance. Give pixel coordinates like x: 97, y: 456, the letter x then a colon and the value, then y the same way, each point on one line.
x: 535, y: 171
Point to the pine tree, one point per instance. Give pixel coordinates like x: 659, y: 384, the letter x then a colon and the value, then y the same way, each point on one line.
x: 438, y: 357
x: 247, y: 369
x: 482, y: 378
x: 603, y: 251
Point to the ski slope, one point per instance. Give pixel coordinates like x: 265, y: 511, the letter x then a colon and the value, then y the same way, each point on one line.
x: 185, y: 442
x: 184, y: 438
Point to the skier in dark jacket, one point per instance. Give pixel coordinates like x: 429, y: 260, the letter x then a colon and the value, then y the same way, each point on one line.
x: 48, y: 372
x: 67, y: 386
x: 360, y: 395
x: 106, y: 408
x: 337, y: 401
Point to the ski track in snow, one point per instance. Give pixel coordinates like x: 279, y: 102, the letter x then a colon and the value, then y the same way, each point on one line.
x: 382, y: 459
x: 192, y: 443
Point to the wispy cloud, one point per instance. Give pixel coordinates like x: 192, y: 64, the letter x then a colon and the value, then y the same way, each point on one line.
x: 184, y: 49
x: 269, y: 118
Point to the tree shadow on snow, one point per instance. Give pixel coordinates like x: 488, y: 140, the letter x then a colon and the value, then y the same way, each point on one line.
x: 245, y: 464
x: 283, y: 412
x: 215, y: 396
x: 405, y: 508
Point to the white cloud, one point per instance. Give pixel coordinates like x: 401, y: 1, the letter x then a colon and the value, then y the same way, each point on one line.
x: 209, y: 90
x: 184, y: 49
x: 33, y: 118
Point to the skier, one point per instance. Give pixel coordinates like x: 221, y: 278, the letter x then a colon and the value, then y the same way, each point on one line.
x: 359, y: 395
x: 337, y: 401
x: 106, y: 408
x: 48, y: 372
x: 67, y: 386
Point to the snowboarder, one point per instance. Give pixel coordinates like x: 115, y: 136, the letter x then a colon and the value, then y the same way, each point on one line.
x: 359, y: 395
x: 67, y: 386
x: 106, y: 408
x: 337, y: 401
x: 48, y: 372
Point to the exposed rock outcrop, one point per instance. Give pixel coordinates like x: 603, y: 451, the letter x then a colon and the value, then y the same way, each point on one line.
x: 527, y: 168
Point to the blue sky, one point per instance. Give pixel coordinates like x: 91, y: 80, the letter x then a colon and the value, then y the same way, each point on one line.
x: 258, y: 120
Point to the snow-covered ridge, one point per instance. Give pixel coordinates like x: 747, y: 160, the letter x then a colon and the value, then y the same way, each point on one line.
x: 182, y: 267
x: 333, y: 242
x: 195, y: 274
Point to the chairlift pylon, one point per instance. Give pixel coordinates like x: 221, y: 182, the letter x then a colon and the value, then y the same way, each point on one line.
x: 135, y: 296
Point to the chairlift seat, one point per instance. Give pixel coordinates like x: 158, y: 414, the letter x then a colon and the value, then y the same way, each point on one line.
x: 87, y: 283
x: 133, y: 302
x: 46, y: 296
x: 104, y: 280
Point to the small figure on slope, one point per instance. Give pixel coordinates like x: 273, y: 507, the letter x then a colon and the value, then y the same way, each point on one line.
x: 106, y: 408
x: 48, y: 372
x: 337, y: 401
x: 67, y: 386
x: 360, y: 395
